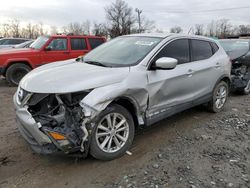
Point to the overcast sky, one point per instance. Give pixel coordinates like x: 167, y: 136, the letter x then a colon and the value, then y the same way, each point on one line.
x: 165, y: 13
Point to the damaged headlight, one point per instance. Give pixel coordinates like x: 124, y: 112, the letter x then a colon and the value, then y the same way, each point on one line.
x: 22, y: 96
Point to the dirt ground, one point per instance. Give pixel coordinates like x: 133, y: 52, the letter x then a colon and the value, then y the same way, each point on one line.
x: 192, y: 149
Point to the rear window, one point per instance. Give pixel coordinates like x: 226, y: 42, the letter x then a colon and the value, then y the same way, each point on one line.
x: 78, y: 44
x: 201, y: 50
x: 94, y: 42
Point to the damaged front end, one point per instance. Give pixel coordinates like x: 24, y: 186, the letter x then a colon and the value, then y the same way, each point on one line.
x: 241, y: 74
x: 53, y: 123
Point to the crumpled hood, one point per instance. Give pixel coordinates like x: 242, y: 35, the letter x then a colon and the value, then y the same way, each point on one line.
x: 236, y: 54
x: 70, y: 76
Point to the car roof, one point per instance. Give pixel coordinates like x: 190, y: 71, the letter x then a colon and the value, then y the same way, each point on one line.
x: 82, y: 36
x: 14, y: 38
x: 247, y: 40
x: 166, y: 35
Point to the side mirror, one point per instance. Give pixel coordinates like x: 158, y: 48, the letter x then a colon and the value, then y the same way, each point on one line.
x: 48, y: 48
x: 79, y: 58
x: 166, y: 63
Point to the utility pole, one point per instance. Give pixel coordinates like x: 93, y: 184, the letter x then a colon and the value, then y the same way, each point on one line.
x: 139, y: 18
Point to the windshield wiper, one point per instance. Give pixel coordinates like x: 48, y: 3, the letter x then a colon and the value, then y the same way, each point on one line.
x: 95, y: 63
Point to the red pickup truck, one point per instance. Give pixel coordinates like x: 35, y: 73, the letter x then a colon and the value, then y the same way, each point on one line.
x: 15, y: 63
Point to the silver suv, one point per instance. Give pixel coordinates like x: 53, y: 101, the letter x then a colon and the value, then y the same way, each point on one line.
x: 96, y: 103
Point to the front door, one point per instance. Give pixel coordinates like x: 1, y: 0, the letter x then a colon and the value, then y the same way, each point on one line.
x: 56, y: 50
x: 171, y: 90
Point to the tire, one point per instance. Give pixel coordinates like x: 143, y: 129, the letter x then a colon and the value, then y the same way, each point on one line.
x: 16, y: 72
x: 214, y: 105
x: 118, y: 147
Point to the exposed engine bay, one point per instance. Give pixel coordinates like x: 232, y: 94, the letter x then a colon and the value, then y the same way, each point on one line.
x: 61, y: 119
x: 241, y: 74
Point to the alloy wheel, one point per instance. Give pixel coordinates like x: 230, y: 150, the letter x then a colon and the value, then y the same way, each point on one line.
x: 112, y: 132
x: 221, y: 97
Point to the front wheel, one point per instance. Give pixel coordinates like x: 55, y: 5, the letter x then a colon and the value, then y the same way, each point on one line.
x: 16, y: 72
x: 113, y: 133
x: 220, y: 95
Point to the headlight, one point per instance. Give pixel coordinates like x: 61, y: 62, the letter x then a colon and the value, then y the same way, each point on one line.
x: 22, y: 95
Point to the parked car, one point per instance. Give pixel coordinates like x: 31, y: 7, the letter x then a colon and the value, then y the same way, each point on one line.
x: 9, y: 42
x: 95, y: 105
x: 22, y: 45
x: 15, y: 63
x: 239, y: 52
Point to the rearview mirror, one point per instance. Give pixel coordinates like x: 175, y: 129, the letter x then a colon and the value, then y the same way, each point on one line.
x: 166, y: 63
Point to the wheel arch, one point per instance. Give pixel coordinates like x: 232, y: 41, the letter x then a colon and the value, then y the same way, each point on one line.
x: 132, y: 107
x: 226, y: 79
x: 25, y: 62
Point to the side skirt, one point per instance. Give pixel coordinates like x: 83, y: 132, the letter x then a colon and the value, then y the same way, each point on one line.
x: 164, y: 113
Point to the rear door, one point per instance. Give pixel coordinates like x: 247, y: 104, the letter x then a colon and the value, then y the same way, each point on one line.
x: 207, y: 68
x: 78, y: 47
x: 56, y: 50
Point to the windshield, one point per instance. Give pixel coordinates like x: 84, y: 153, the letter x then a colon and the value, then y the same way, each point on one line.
x: 39, y: 42
x: 122, y: 51
x: 235, y: 45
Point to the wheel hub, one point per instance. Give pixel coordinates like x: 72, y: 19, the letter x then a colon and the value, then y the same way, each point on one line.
x: 112, y: 132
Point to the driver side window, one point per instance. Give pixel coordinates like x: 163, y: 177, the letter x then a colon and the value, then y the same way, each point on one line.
x: 58, y: 44
x: 178, y: 49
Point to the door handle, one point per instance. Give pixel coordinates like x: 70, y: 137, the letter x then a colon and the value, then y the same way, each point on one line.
x: 217, y: 65
x: 190, y: 72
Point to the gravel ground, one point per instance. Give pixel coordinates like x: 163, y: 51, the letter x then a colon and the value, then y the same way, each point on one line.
x: 192, y: 149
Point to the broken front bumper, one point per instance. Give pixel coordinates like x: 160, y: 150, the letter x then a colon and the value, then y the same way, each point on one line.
x: 30, y: 130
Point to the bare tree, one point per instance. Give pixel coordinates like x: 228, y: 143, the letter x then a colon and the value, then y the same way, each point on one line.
x: 5, y: 31
x: 223, y: 28
x: 211, y: 29
x: 176, y: 29
x: 78, y: 28
x: 100, y: 29
x: 199, y: 29
x: 86, y: 27
x: 41, y: 29
x: 244, y: 29
x: 15, y: 27
x: 53, y: 30
x: 120, y: 18
x: 145, y: 24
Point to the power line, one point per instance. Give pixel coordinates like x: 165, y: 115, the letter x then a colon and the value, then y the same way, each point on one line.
x: 206, y: 10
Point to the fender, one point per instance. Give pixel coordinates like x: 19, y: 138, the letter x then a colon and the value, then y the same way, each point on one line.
x: 98, y: 99
x: 16, y: 60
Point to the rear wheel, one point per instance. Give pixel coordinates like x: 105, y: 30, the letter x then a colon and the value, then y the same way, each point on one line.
x: 16, y: 72
x: 113, y: 133
x: 220, y: 95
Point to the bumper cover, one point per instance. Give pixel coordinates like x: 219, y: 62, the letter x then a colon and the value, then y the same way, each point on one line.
x: 30, y: 130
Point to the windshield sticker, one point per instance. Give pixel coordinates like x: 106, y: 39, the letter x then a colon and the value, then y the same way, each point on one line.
x: 144, y: 43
